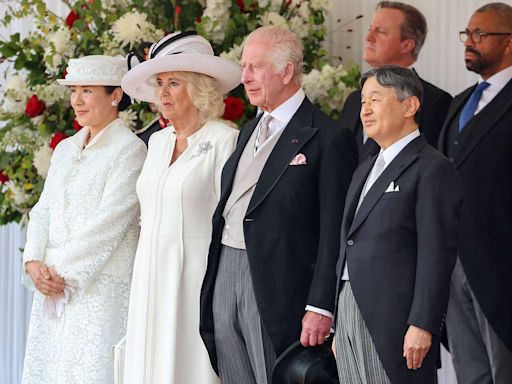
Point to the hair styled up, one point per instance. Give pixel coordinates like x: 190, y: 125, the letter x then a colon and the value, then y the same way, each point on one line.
x: 286, y: 47
x: 404, y: 82
x: 125, y: 100
x: 202, y: 90
x: 414, y: 25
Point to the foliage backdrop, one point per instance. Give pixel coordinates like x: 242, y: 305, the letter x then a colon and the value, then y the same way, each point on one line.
x: 36, y: 110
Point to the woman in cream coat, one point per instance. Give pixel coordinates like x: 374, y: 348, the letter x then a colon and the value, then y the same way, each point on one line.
x: 178, y: 189
x: 83, y: 233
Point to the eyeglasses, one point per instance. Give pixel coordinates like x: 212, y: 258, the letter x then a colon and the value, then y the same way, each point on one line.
x: 476, y: 36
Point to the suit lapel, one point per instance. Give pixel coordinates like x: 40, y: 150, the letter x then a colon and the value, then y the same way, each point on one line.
x: 405, y: 158
x: 484, y: 121
x: 295, y: 135
x: 455, y: 107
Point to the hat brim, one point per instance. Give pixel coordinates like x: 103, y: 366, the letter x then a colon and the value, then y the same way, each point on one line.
x: 296, y: 361
x: 89, y: 82
x: 136, y: 83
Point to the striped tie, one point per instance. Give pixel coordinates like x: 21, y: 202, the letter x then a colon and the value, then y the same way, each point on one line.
x: 262, y: 133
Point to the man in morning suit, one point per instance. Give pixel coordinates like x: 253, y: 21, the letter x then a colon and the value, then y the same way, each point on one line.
x: 477, y: 137
x: 395, y: 37
x: 398, y: 242
x: 271, y: 266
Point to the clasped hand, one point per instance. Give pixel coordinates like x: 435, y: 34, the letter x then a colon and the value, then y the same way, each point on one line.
x: 46, y: 279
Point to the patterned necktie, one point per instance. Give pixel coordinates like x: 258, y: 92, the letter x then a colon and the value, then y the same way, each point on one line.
x: 377, y: 169
x: 263, y: 133
x: 469, y: 109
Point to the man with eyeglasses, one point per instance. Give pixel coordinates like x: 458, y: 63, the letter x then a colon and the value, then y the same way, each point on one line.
x: 395, y: 37
x: 477, y: 137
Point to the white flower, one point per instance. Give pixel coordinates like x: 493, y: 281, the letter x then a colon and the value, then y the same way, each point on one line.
x: 17, y: 88
x: 52, y: 93
x: 319, y: 5
x: 216, y: 16
x: 234, y: 54
x: 129, y: 117
x: 304, y: 12
x: 134, y: 27
x: 273, y: 18
x: 16, y: 194
x: 10, y: 105
x: 274, y: 5
x: 42, y: 159
x: 59, y: 46
x: 299, y: 26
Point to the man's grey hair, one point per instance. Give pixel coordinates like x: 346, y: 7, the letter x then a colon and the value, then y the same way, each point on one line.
x: 286, y: 48
x: 404, y: 81
x: 414, y: 25
x: 503, y: 14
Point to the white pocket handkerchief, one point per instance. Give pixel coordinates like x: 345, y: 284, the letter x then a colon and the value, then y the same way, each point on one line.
x: 299, y: 159
x: 392, y: 187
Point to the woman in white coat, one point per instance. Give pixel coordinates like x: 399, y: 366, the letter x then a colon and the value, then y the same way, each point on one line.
x: 178, y: 190
x: 83, y: 233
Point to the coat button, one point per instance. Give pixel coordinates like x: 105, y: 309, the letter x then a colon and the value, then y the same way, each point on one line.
x: 350, y: 242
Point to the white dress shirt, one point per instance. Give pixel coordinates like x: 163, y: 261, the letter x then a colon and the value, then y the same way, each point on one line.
x: 388, y: 154
x: 498, y: 82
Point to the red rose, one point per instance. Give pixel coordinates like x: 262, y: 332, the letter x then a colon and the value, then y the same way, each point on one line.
x: 177, y: 10
x: 3, y: 177
x: 234, y: 108
x: 76, y: 125
x: 241, y: 4
x: 34, y: 107
x: 56, y: 139
x: 72, y: 17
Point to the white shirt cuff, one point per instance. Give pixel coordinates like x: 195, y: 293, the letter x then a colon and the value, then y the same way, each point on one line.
x: 319, y: 311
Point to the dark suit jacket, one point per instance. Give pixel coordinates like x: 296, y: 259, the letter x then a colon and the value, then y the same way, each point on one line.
x: 291, y: 227
x: 484, y: 162
x: 433, y: 110
x: 401, y: 248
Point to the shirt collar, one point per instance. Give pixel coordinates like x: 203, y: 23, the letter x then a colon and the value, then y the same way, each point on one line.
x: 394, y: 149
x: 499, y: 79
x: 286, y: 110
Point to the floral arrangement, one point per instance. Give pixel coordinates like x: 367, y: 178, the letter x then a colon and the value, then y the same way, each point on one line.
x: 35, y: 110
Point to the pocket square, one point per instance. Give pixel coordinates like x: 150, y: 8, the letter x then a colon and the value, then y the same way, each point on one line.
x: 392, y: 187
x: 299, y: 159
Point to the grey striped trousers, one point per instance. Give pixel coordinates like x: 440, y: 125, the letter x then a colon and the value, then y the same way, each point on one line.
x: 244, y: 350
x: 356, y: 357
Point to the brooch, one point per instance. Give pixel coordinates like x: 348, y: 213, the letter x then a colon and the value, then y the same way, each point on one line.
x: 202, y: 149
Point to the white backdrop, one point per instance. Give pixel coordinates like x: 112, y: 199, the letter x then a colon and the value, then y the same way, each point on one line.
x: 440, y: 62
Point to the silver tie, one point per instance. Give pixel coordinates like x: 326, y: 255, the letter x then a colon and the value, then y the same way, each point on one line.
x: 263, y: 133
x: 377, y: 169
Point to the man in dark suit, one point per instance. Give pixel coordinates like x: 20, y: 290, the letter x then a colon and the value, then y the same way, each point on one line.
x: 477, y: 137
x: 271, y: 267
x: 398, y: 242
x: 395, y: 36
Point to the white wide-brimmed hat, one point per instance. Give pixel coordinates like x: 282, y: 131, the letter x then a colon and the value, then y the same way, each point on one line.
x: 95, y: 70
x: 180, y: 51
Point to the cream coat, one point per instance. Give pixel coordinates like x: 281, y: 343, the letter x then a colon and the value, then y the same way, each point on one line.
x: 85, y: 225
x: 163, y: 345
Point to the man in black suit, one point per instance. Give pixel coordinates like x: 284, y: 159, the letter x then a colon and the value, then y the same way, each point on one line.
x: 271, y: 267
x: 477, y: 136
x: 396, y: 35
x: 398, y: 242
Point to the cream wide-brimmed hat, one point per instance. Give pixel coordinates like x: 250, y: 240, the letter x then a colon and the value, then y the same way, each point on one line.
x: 95, y: 70
x: 180, y: 51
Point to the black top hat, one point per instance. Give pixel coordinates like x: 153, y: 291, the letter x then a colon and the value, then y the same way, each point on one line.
x: 306, y: 365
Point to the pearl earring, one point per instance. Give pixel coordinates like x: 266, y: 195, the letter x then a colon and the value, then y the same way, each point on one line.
x: 114, y: 103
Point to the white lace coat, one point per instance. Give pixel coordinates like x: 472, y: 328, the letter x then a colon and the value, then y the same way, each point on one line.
x: 86, y: 226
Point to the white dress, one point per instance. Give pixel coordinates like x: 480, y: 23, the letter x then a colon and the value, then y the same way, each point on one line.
x: 163, y: 345
x: 86, y: 226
